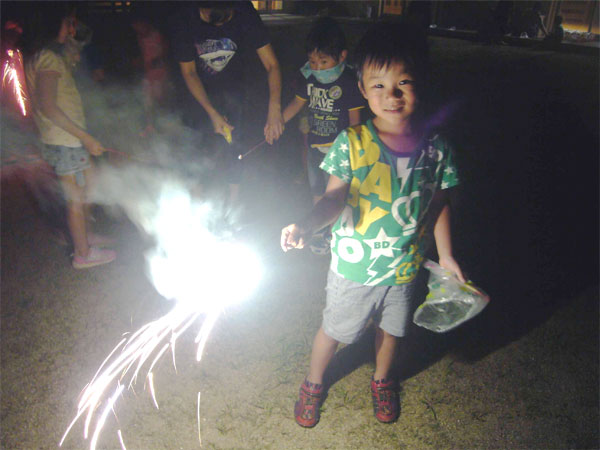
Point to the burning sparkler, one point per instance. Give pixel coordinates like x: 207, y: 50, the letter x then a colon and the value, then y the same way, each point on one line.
x: 11, y: 75
x: 187, y: 259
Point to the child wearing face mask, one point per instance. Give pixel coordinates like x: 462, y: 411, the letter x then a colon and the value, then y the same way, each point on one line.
x: 329, y: 87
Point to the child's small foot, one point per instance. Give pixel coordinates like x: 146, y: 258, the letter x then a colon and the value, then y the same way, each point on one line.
x: 95, y: 257
x: 97, y: 240
x: 307, y: 407
x: 385, y: 400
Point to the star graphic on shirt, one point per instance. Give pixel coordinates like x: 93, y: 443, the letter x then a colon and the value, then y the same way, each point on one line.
x: 381, y: 245
x: 344, y: 147
x: 345, y: 163
x: 449, y: 171
x: 444, y: 185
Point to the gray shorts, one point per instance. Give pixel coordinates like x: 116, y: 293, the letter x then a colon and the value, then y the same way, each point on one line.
x: 66, y: 160
x: 350, y: 305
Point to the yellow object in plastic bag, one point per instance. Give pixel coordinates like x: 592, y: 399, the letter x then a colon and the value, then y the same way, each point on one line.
x: 227, y: 135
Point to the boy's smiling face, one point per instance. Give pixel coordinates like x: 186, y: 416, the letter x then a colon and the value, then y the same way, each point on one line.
x: 390, y: 92
x: 322, y: 61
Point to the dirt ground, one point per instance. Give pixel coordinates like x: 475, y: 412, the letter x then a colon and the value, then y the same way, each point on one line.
x: 523, y: 374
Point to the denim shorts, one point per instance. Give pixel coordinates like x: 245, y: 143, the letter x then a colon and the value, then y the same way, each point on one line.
x: 350, y: 305
x: 317, y: 178
x: 66, y: 160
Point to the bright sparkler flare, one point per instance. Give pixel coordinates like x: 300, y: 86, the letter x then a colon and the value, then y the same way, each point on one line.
x: 201, y: 273
x: 11, y: 76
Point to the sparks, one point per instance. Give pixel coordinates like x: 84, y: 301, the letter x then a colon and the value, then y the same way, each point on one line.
x: 11, y: 76
x: 201, y: 273
x: 198, y: 417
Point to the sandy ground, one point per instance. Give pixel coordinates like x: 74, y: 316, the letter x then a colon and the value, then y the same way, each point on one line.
x: 524, y: 374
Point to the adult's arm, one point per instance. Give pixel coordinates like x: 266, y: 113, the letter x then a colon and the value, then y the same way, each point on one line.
x: 196, y: 88
x: 274, y: 126
x: 47, y: 88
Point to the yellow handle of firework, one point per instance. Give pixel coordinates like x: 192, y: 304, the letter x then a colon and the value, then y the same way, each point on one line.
x: 227, y: 134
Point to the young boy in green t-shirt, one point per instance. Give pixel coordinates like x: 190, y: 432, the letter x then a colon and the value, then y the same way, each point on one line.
x: 387, y: 191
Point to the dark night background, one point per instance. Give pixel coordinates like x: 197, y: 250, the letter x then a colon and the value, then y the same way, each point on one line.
x: 525, y: 123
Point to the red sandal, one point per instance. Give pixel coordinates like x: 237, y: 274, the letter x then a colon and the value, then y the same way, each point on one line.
x: 385, y: 400
x: 307, y: 407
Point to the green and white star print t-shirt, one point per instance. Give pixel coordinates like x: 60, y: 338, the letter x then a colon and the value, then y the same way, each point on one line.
x: 379, y: 238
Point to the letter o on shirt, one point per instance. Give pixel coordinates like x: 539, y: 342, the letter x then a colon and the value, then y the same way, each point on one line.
x: 350, y: 250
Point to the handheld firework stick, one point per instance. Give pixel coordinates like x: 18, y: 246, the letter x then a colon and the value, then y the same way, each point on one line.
x: 255, y: 147
x: 227, y: 135
x: 252, y: 149
x: 126, y: 155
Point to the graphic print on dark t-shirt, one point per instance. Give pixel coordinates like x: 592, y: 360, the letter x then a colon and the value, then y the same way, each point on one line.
x: 324, y: 120
x: 215, y: 54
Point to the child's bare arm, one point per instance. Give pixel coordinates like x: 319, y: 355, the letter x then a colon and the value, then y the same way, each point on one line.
x: 354, y: 116
x: 47, y: 92
x: 325, y: 212
x: 442, y: 234
x: 293, y: 108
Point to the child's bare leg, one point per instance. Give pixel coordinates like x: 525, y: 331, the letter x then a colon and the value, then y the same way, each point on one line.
x: 323, y: 350
x: 385, y: 351
x: 88, y: 175
x: 76, y: 219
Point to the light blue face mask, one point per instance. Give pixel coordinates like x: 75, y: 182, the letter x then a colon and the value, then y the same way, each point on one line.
x: 325, y: 76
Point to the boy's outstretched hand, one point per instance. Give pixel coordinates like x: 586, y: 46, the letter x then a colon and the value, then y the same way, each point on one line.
x: 293, y: 236
x: 450, y: 264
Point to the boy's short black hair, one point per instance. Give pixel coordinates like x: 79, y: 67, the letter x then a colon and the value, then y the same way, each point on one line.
x: 394, y: 42
x: 326, y: 36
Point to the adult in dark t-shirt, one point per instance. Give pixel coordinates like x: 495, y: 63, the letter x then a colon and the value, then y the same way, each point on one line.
x: 208, y: 38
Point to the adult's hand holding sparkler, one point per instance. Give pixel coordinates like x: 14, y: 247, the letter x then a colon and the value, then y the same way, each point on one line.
x: 275, y: 124
x: 220, y: 124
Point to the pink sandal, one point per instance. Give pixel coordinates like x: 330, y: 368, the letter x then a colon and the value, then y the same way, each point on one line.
x: 95, y: 257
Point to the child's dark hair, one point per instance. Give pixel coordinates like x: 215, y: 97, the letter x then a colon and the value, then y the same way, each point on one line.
x: 326, y: 36
x: 389, y: 43
x: 47, y: 21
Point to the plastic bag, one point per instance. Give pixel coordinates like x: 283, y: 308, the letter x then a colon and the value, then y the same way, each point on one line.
x: 449, y: 302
